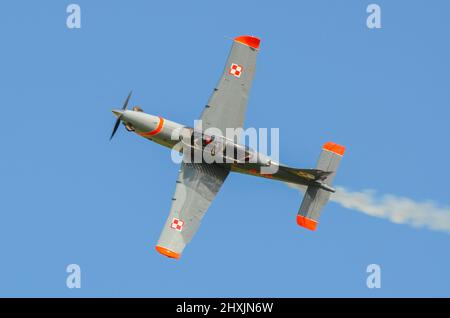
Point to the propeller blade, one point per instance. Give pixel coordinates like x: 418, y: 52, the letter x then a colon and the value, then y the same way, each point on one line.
x: 118, y: 114
x: 115, y: 128
x: 126, y: 101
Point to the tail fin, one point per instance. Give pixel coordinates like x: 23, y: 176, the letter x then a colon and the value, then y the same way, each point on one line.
x: 317, y: 195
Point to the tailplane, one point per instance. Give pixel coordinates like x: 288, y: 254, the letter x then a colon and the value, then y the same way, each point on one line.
x: 318, y: 193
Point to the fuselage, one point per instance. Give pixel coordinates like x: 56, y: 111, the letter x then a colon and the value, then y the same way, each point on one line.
x: 174, y: 136
x: 198, y: 147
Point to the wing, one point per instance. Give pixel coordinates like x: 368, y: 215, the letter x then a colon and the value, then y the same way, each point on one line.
x: 227, y: 105
x: 197, y: 185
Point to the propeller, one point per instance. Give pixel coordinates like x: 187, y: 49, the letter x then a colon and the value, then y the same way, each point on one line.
x: 124, y: 107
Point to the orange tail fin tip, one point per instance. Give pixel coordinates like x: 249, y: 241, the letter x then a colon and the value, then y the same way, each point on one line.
x: 333, y: 147
x: 305, y: 222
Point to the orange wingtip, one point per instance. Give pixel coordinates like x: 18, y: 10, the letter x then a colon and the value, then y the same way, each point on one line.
x: 333, y: 147
x: 248, y: 40
x: 166, y: 252
x: 305, y: 222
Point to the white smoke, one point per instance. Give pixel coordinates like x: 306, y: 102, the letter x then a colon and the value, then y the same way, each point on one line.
x: 400, y: 210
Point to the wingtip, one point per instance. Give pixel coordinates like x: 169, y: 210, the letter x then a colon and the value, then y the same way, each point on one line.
x: 166, y: 252
x: 249, y: 40
x: 307, y: 223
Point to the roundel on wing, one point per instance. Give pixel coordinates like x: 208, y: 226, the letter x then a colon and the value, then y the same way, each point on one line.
x: 177, y: 224
x: 236, y: 70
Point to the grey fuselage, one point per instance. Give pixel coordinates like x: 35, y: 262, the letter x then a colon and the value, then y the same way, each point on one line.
x: 174, y: 136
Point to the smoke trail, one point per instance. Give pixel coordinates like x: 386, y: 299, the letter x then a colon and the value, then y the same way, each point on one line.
x: 400, y: 210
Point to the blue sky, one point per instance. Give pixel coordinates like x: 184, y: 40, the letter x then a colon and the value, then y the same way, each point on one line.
x: 71, y: 196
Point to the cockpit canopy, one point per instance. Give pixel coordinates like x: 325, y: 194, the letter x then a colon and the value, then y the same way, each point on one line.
x: 219, y: 146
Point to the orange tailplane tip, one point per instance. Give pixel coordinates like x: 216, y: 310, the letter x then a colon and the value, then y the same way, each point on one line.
x: 305, y: 222
x: 333, y: 147
x: 249, y: 40
x: 166, y: 252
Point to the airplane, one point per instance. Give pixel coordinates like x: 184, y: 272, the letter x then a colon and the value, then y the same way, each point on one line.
x: 198, y: 182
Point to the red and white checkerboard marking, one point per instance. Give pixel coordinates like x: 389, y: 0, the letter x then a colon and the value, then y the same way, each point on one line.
x: 236, y: 70
x: 177, y: 224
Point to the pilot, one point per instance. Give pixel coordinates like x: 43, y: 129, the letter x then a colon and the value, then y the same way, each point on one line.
x: 207, y: 140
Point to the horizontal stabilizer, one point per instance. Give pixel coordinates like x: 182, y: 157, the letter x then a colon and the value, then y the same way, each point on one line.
x: 318, y: 193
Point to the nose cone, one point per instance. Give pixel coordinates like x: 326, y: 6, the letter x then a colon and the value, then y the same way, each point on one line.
x: 118, y: 113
